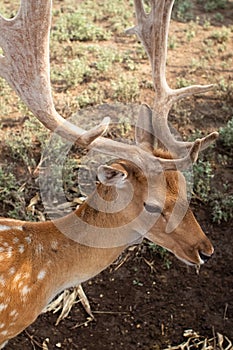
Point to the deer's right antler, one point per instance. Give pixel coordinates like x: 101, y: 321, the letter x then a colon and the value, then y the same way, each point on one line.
x: 152, y: 30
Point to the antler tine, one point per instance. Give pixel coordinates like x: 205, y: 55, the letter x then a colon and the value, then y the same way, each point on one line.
x: 25, y: 66
x: 152, y: 30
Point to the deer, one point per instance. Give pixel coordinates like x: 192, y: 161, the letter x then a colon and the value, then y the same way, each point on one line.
x: 140, y: 194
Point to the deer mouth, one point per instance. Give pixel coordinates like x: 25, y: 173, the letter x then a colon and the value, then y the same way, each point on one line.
x: 204, y: 257
x: 200, y: 259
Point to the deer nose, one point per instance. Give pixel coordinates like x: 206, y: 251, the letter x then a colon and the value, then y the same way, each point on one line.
x: 204, y: 257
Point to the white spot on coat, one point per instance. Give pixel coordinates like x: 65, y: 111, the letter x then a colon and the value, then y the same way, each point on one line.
x: 20, y: 228
x: 25, y: 290
x: 5, y: 228
x: 39, y: 248
x: 2, y: 280
x: 21, y: 248
x: 14, y: 313
x: 18, y: 277
x: 3, y: 306
x: 54, y: 245
x: 9, y: 228
x: 4, y: 333
x: 28, y: 239
x: 9, y: 252
x: 12, y: 271
x: 41, y: 275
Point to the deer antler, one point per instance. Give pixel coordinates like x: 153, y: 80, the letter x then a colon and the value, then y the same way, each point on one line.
x: 25, y: 66
x: 152, y: 30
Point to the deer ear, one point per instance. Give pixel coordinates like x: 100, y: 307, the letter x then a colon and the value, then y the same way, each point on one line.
x: 110, y: 175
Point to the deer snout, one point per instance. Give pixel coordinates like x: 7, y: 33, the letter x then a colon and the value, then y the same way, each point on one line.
x: 205, y: 251
x: 204, y: 257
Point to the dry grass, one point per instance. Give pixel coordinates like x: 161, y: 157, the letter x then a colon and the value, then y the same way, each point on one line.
x: 195, y: 341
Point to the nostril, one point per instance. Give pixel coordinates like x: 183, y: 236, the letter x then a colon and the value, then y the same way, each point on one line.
x: 204, y: 257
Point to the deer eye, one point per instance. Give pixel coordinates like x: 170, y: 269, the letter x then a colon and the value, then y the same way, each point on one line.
x: 152, y: 208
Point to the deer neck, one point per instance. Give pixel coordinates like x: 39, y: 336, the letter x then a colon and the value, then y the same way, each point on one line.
x: 80, y: 245
x: 103, y: 221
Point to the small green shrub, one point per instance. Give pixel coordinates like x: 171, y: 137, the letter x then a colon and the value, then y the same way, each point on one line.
x: 8, y: 183
x: 222, y: 207
x: 219, y: 17
x: 119, y: 17
x: 126, y: 89
x: 9, y: 9
x: 91, y: 96
x: 226, y: 134
x: 172, y: 43
x: 225, y: 90
x: 182, y: 82
x: 161, y: 252
x: 76, y: 26
x: 211, y: 5
x: 203, y: 174
x: 74, y: 72
x: 182, y: 10
x: 12, y: 196
x: 21, y: 145
x: 106, y: 58
x: 221, y: 35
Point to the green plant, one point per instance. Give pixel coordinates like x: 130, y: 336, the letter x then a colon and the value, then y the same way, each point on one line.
x: 172, y: 44
x: 21, y: 145
x: 125, y: 126
x: 182, y: 10
x: 226, y: 134
x: 222, y: 206
x: 199, y: 63
x: 221, y: 35
x: 128, y: 62
x: 8, y: 183
x: 191, y: 31
x: 225, y: 89
x: 125, y: 89
x: 211, y: 5
x: 203, y: 174
x: 220, y: 202
x: 12, y: 196
x: 76, y: 26
x: 119, y: 17
x: 161, y: 252
x: 136, y: 282
x: 73, y: 73
x: 182, y: 82
x: 91, y: 96
x: 206, y: 24
x: 219, y: 17
x: 9, y: 9
x: 106, y: 58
